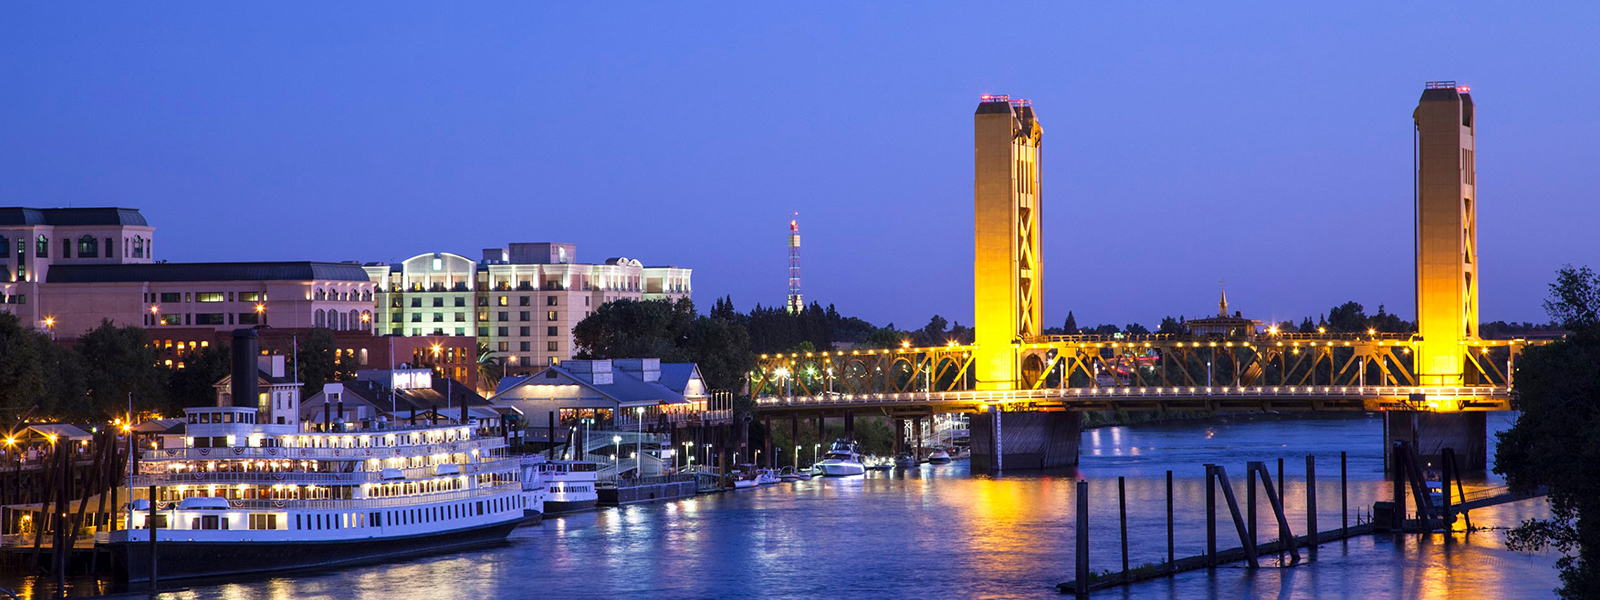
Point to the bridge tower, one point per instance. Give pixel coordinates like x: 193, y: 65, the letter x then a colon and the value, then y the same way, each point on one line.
x: 1447, y: 232
x: 1447, y: 274
x: 1006, y: 273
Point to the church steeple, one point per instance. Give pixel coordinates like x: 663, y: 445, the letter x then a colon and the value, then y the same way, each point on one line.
x: 1222, y: 305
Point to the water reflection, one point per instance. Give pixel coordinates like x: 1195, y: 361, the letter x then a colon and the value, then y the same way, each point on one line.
x: 939, y: 531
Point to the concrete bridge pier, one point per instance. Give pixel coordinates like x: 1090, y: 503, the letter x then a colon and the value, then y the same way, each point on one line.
x: 1430, y: 432
x: 1003, y: 441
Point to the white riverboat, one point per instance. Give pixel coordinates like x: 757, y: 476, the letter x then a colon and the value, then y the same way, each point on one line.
x: 843, y: 459
x: 233, y: 496
x: 569, y: 485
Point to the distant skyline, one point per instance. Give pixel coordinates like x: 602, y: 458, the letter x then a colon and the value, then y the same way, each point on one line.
x: 1257, y: 143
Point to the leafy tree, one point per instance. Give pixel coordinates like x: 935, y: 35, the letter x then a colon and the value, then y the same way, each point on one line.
x: 116, y: 362
x: 1170, y: 325
x: 635, y: 329
x: 22, y: 374
x: 1553, y: 442
x: 722, y: 350
x: 1136, y: 329
x: 193, y: 384
x: 317, y: 361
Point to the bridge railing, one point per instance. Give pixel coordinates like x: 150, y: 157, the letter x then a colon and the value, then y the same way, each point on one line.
x: 1434, y: 397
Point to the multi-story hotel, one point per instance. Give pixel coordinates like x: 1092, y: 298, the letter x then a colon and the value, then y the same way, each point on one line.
x: 521, y: 301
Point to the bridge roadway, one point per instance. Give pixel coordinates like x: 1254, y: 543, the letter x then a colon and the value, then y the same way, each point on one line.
x: 1197, y: 398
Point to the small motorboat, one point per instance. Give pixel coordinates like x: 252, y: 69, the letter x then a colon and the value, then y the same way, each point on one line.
x: 766, y: 476
x: 791, y: 475
x: 939, y: 456
x: 905, y: 460
x: 745, y: 477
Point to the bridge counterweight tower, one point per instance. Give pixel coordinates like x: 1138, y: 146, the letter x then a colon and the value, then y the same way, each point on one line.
x: 1006, y: 271
x: 1447, y: 233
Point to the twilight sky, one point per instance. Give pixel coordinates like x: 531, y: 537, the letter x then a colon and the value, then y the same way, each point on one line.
x: 1265, y: 144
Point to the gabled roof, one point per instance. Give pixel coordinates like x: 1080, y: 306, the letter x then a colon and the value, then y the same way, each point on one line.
x: 677, y: 375
x: 239, y: 271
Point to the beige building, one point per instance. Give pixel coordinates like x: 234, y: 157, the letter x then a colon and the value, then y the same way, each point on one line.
x: 67, y: 269
x: 521, y: 301
x: 1447, y: 231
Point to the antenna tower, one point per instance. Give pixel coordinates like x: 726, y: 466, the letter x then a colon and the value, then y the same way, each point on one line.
x: 797, y: 302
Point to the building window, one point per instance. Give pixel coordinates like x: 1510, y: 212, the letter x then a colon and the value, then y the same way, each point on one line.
x: 171, y: 297
x: 438, y: 302
x: 416, y: 318
x: 109, y: 246
x: 461, y: 317
x: 208, y: 297
x: 438, y: 317
x: 249, y: 318
x: 171, y: 319
x: 550, y: 346
x: 527, y: 331
x: 504, y: 346
x: 5, y: 247
x: 524, y: 316
x: 483, y: 332
x: 483, y: 300
x: 526, y: 301
x: 504, y: 301
x: 42, y: 247
x: 504, y: 331
x: 550, y: 316
x: 250, y: 297
x: 66, y: 248
x: 504, y: 316
x: 208, y: 319
x: 416, y: 303
x: 138, y: 246
x: 461, y: 301
x: 526, y: 346
x: 319, y: 318
x: 551, y: 331
x: 550, y: 300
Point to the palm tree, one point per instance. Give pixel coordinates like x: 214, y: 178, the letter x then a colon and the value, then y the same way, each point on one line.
x: 490, y: 368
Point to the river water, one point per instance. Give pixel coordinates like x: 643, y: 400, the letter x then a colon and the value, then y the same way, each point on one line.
x: 941, y: 531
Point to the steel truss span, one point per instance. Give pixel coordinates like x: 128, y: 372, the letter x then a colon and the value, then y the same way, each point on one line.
x: 1155, y: 372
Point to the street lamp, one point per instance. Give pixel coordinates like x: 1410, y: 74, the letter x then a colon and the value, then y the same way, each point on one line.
x: 50, y: 325
x: 616, y: 440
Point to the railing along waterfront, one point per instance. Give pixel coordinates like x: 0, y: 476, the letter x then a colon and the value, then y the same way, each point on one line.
x: 370, y: 503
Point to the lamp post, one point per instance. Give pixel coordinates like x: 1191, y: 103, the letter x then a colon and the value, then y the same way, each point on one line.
x: 616, y: 440
x: 638, y: 447
x: 689, y: 450
x: 50, y: 325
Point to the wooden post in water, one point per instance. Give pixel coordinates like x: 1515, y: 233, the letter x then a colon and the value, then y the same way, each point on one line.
x: 1250, y: 501
x: 1286, y: 539
x: 1283, y: 531
x: 1122, y: 512
x: 1398, y: 521
x: 1170, y: 558
x: 152, y: 525
x: 1344, y: 498
x: 1249, y: 545
x: 1311, y: 502
x: 1211, y: 517
x: 1082, y: 558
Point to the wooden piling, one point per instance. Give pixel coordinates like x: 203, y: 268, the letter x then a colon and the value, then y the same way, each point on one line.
x: 152, y: 524
x: 1170, y: 556
x: 1286, y: 539
x: 1283, y: 532
x: 1311, y: 502
x: 1211, y: 517
x: 1082, y: 557
x: 1122, y: 512
x: 1344, y: 497
x: 1221, y: 474
x: 1250, y: 508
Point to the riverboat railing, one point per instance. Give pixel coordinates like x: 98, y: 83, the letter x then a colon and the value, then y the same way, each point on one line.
x: 288, y: 452
x: 201, y: 477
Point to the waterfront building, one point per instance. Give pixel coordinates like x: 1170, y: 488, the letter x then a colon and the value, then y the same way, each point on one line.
x: 68, y: 269
x: 409, y: 396
x: 521, y: 301
x: 1224, y: 324
x: 614, y: 393
x: 279, y: 394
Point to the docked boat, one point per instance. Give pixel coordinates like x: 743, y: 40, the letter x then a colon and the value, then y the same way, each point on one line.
x: 745, y: 477
x: 843, y: 459
x: 905, y: 460
x: 790, y: 474
x: 939, y: 456
x: 569, y: 485
x: 766, y: 476
x: 233, y: 494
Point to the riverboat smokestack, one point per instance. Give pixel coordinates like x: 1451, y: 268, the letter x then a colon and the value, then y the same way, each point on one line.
x: 245, y: 388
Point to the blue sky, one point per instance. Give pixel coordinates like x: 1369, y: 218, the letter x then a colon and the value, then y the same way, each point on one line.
x: 1265, y: 144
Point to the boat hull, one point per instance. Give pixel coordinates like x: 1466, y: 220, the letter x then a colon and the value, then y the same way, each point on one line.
x: 556, y: 507
x: 188, y: 560
x: 841, y: 469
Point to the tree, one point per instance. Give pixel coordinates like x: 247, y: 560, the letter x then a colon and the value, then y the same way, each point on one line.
x: 22, y: 373
x: 1136, y: 329
x: 1171, y: 326
x: 193, y: 384
x: 722, y: 350
x: 1575, y: 298
x: 635, y: 329
x: 116, y: 362
x: 1071, y: 326
x: 317, y: 360
x: 491, y: 368
x: 1553, y: 442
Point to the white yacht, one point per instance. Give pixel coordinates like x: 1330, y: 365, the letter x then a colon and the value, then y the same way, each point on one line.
x: 232, y: 495
x: 569, y: 485
x: 843, y: 459
x: 939, y: 456
x: 533, y: 488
